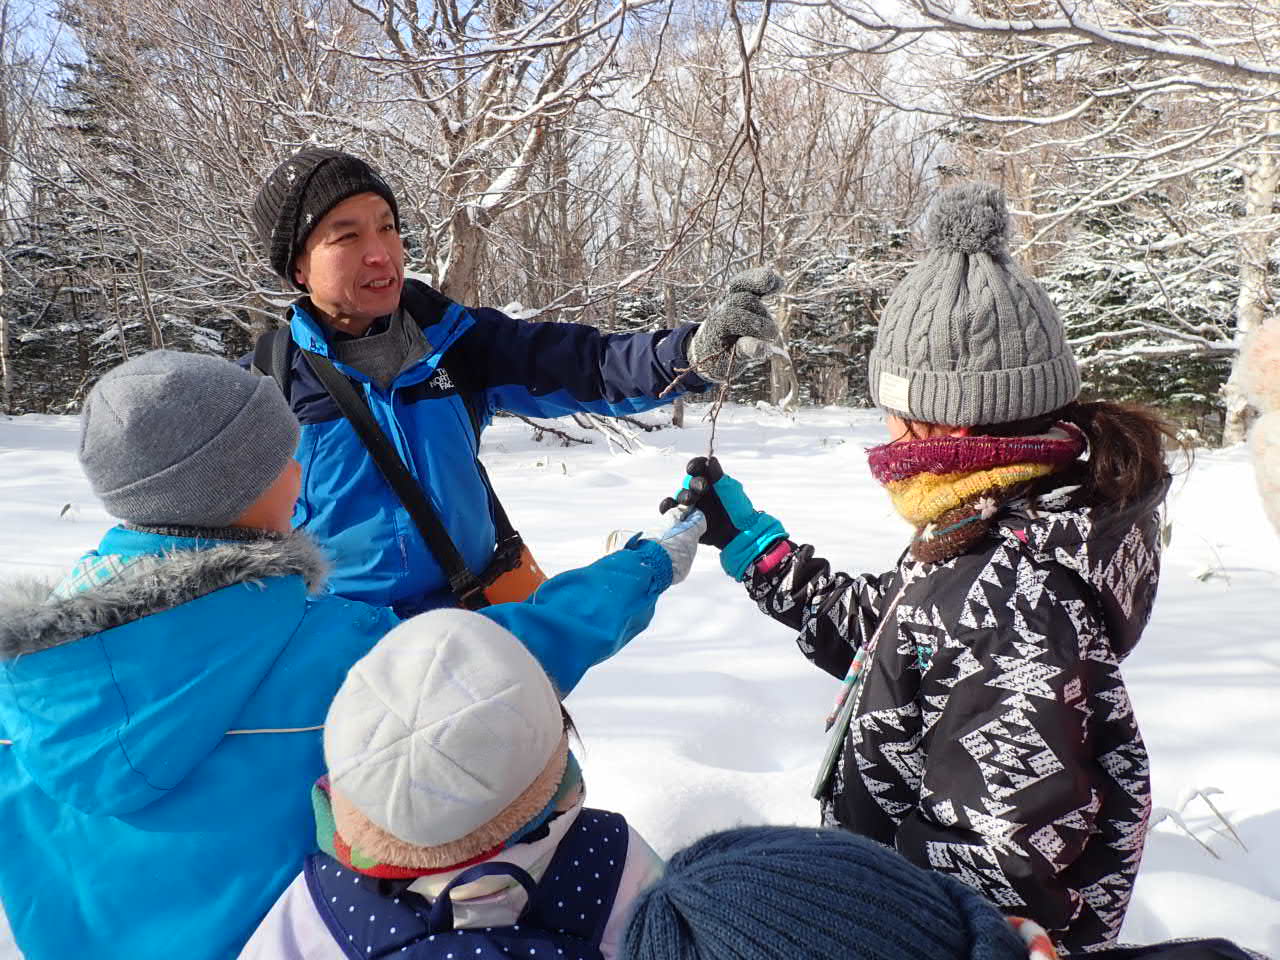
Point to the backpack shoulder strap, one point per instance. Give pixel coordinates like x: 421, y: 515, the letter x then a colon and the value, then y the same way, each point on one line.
x: 271, y: 356
x: 362, y: 917
x: 262, y: 350
x: 441, y: 918
x: 281, y: 343
x: 580, y: 884
x: 465, y: 585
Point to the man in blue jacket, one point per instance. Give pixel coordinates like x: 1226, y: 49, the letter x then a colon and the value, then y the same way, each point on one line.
x: 432, y: 373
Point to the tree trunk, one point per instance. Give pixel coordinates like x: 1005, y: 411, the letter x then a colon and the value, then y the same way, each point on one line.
x: 148, y: 308
x: 784, y: 387
x: 669, y: 303
x: 460, y: 278
x: 1261, y: 184
x: 6, y: 374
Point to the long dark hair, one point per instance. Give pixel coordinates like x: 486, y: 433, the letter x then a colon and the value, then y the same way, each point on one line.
x: 1127, y: 444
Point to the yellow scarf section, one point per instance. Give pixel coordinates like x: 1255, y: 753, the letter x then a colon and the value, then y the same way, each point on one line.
x: 926, y: 496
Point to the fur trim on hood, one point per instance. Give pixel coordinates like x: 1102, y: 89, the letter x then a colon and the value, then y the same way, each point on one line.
x: 30, y: 622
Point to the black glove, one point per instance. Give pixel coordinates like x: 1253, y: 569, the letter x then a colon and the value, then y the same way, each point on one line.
x: 699, y: 493
x: 734, y: 525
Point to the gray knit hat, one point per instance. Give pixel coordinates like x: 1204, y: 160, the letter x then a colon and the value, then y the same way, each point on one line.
x: 184, y: 438
x: 967, y: 338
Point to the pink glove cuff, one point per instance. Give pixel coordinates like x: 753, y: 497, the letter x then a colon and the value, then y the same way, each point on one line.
x: 773, y: 556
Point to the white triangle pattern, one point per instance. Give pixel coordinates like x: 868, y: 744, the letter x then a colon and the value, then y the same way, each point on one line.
x: 974, y: 804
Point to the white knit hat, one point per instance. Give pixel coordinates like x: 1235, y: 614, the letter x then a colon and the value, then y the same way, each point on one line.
x: 448, y: 724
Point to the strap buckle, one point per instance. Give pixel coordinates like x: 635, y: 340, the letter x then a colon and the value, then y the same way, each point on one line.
x: 470, y: 592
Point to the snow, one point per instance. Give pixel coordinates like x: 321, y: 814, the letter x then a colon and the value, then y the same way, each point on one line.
x: 713, y: 718
x: 519, y: 311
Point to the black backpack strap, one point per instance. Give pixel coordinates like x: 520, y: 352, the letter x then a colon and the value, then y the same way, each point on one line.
x: 281, y: 342
x: 271, y: 357
x: 465, y: 585
x: 262, y: 354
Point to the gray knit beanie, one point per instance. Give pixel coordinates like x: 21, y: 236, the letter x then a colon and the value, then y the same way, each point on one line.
x: 967, y: 338
x: 780, y: 893
x: 183, y: 438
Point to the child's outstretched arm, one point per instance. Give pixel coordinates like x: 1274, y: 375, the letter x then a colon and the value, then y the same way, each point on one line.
x: 584, y: 616
x: 833, y: 613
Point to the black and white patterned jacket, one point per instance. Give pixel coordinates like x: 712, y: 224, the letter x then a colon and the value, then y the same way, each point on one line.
x: 993, y: 738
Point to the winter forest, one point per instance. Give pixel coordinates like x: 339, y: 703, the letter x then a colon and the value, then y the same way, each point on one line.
x: 613, y: 161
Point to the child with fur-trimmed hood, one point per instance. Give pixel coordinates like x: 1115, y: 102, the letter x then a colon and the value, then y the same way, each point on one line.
x: 161, y: 706
x: 164, y: 698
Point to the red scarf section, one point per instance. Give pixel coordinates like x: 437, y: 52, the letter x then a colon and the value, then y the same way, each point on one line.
x: 943, y: 455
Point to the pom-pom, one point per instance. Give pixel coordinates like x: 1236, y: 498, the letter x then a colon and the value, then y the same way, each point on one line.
x: 970, y: 218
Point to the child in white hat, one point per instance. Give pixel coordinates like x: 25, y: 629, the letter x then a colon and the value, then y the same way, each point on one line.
x: 452, y: 819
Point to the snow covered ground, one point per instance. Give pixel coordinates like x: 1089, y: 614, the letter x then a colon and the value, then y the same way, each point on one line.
x: 713, y: 718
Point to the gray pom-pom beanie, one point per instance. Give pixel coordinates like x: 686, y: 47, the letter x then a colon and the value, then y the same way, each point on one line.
x: 184, y: 439
x: 967, y: 338
x: 778, y: 893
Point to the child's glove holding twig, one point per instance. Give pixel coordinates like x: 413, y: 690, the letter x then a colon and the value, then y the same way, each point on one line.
x: 740, y: 322
x: 679, y: 534
x: 734, y: 525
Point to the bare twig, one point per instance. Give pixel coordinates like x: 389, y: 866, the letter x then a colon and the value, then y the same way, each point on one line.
x: 1204, y: 794
x: 698, y: 368
x: 636, y: 422
x: 721, y: 396
x: 544, y: 428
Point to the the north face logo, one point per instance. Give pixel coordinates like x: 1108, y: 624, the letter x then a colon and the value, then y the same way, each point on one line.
x: 442, y: 381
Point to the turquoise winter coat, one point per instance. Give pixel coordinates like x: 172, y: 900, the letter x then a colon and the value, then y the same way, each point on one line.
x: 134, y: 826
x: 155, y: 798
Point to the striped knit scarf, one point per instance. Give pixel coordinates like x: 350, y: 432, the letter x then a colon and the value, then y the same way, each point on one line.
x: 950, y: 488
x: 332, y: 843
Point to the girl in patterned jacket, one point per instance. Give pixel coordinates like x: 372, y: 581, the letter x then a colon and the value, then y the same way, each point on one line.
x: 984, y: 729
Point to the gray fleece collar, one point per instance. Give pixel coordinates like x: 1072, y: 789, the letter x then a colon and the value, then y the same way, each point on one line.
x: 29, y: 623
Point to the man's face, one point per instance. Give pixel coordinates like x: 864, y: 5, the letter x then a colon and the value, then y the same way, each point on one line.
x: 353, y: 263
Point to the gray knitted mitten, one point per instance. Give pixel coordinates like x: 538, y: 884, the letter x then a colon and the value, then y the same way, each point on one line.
x: 740, y: 319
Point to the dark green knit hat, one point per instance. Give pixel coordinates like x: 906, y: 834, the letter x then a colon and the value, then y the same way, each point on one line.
x: 967, y: 338
x: 299, y: 192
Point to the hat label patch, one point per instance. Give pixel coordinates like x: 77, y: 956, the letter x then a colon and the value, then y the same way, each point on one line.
x: 895, y: 391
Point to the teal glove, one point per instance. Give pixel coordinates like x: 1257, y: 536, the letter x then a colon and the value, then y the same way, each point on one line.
x: 734, y: 525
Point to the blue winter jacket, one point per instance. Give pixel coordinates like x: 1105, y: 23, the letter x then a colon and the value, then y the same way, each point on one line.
x: 497, y: 363
x: 165, y: 732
